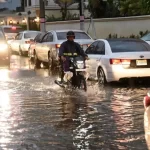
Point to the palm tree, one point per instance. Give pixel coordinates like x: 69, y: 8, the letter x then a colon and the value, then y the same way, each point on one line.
x: 64, y: 4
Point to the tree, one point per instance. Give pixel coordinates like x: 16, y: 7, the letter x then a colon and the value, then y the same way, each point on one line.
x: 97, y: 8
x: 64, y: 4
x: 130, y: 7
x: 145, y: 10
x: 112, y: 9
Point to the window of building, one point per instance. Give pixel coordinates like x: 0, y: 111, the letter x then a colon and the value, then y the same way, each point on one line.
x: 29, y: 2
x: 46, y: 2
x: 25, y: 3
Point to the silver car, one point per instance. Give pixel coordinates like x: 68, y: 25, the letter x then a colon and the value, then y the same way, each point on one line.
x: 46, y: 51
x: 22, y: 41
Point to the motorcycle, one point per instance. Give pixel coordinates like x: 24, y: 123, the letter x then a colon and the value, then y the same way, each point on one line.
x: 77, y: 75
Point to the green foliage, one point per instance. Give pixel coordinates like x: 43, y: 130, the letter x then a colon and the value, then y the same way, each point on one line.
x: 130, y: 7
x: 97, y: 8
x: 141, y: 34
x: 145, y: 7
x: 109, y: 8
x: 116, y: 8
x: 64, y: 4
x: 68, y: 17
x: 24, y: 26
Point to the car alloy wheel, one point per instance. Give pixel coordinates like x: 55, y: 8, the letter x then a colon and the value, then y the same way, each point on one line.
x: 101, y: 76
x: 50, y: 62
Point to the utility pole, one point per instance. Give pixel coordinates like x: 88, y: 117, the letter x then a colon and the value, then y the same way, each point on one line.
x: 42, y: 15
x: 81, y: 15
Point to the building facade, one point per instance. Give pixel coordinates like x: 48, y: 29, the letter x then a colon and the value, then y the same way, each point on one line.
x: 31, y: 9
x: 10, y: 4
x: 52, y: 9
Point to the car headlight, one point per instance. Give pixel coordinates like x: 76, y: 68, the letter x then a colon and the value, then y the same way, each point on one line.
x: 80, y: 65
x: 3, y: 47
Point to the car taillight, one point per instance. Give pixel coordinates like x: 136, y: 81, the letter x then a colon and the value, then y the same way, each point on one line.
x: 57, y: 45
x: 27, y: 42
x: 120, y: 61
x: 125, y: 61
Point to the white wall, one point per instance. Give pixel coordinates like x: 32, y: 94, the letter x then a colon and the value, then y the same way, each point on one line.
x: 34, y: 2
x: 120, y: 26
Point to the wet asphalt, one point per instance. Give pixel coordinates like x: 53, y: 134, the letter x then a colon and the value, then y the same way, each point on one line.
x: 36, y: 114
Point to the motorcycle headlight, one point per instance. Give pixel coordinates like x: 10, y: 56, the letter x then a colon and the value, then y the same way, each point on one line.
x: 80, y: 65
x: 3, y: 47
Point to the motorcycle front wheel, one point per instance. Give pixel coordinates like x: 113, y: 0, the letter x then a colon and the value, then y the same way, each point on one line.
x: 83, y: 84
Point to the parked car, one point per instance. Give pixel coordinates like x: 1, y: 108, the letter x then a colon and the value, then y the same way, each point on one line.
x: 146, y: 38
x: 4, y: 50
x: 11, y: 31
x: 116, y: 59
x: 47, y: 50
x: 22, y: 41
x: 33, y: 43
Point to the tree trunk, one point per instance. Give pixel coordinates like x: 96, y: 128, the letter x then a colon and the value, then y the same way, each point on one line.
x: 64, y: 12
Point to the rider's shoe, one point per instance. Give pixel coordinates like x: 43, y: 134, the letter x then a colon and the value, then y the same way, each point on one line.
x: 61, y: 83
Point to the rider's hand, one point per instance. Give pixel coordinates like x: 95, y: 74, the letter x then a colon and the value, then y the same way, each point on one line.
x: 63, y: 58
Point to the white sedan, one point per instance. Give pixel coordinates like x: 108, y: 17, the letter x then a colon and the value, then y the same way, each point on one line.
x: 22, y: 41
x: 116, y: 59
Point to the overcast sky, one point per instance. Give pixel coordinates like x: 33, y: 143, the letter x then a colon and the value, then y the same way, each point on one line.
x: 10, y: 4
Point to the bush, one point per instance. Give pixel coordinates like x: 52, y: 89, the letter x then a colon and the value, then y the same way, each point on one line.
x: 68, y: 17
x: 141, y: 34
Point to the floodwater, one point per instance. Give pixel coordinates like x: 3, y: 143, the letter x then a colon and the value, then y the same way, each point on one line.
x: 36, y: 114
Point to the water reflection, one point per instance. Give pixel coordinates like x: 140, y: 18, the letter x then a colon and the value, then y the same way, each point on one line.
x: 37, y: 114
x: 123, y: 117
x: 4, y: 75
x: 18, y: 62
x: 5, y: 113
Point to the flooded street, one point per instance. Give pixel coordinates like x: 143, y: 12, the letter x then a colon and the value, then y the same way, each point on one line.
x: 36, y: 114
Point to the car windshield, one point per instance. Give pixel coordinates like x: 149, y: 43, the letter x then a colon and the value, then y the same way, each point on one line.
x: 128, y: 46
x: 12, y: 30
x: 30, y: 35
x: 78, y: 35
x: 146, y: 37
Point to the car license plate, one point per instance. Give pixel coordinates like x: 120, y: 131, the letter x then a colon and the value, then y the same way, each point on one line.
x: 141, y: 62
x: 80, y: 69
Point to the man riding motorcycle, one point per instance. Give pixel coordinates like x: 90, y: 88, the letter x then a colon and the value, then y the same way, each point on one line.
x: 68, y: 49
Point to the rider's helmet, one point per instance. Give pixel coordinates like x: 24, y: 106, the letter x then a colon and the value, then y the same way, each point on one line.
x: 70, y: 34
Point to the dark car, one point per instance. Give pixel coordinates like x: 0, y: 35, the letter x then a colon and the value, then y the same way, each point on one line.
x: 4, y: 50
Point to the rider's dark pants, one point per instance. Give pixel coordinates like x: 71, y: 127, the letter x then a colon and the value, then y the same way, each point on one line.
x: 66, y: 65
